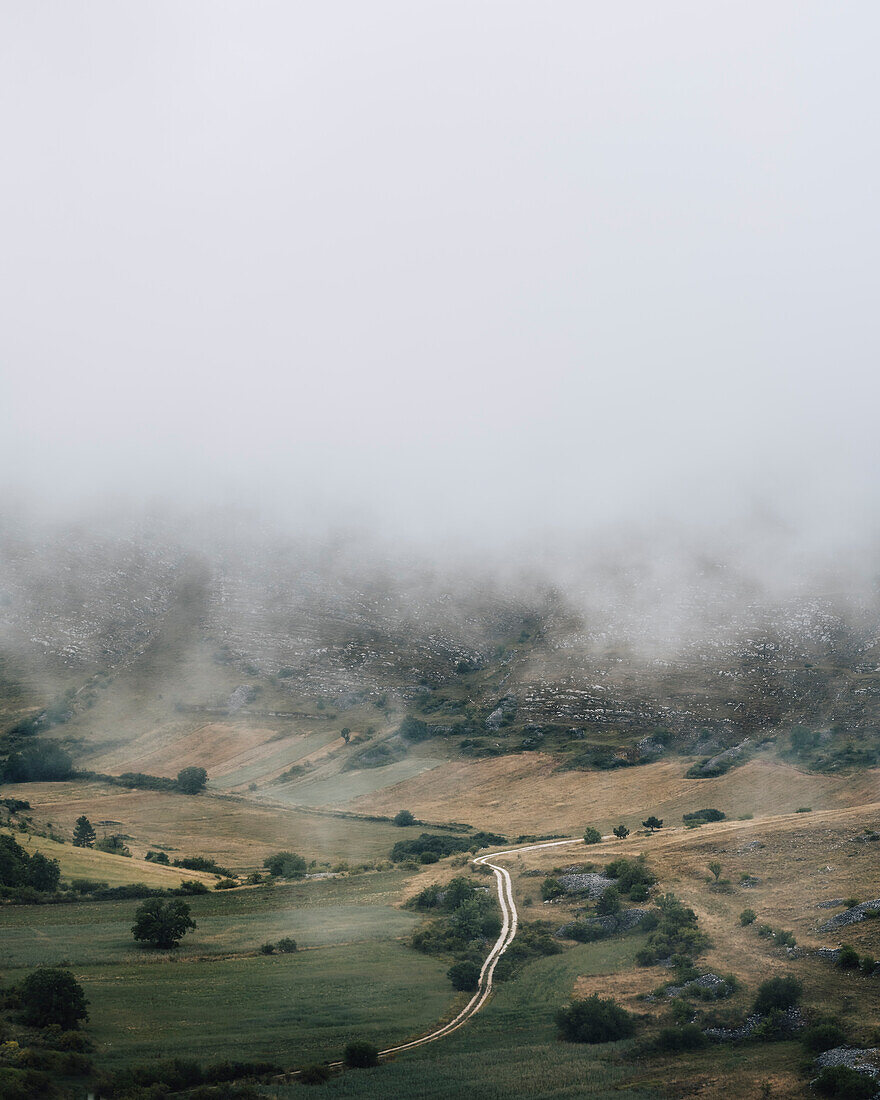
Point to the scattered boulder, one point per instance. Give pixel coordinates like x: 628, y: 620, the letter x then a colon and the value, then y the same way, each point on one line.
x: 711, y: 981
x: 242, y: 695
x: 624, y: 921
x: 832, y: 903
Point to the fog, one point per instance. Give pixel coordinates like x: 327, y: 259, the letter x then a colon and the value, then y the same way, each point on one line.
x: 495, y: 276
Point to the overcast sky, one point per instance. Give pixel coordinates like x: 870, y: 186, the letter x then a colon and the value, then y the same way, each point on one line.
x: 447, y: 268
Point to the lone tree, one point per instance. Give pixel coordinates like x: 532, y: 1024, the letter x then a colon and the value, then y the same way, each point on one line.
x: 346, y: 734
x: 83, y: 833
x: 621, y: 832
x: 609, y: 903
x: 653, y: 823
x: 192, y: 780
x: 403, y: 817
x: 591, y: 835
x: 715, y: 868
x: 52, y: 996
x: 162, y: 923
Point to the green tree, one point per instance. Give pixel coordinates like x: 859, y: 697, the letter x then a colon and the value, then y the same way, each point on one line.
x: 402, y: 818
x: 52, y: 996
x: 621, y: 832
x: 346, y: 734
x: 83, y: 833
x: 43, y: 873
x: 591, y: 835
x: 653, y: 823
x: 285, y: 865
x: 162, y: 923
x: 192, y: 780
x: 715, y: 868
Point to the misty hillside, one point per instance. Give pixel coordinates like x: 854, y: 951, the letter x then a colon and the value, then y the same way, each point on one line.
x: 606, y: 668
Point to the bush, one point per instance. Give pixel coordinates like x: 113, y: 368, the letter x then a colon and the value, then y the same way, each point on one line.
x: 201, y: 863
x: 778, y: 994
x: 845, y: 1084
x: 639, y: 892
x: 591, y: 835
x: 747, y: 916
x: 848, y: 959
x: 286, y: 945
x: 315, y: 1074
x: 403, y: 818
x: 686, y: 1037
x: 429, y: 857
x: 704, y: 815
x: 551, y: 888
x: 629, y: 873
x: 360, y: 1055
x: 821, y: 1037
x: 285, y: 865
x: 267, y: 948
x: 51, y: 995
x: 594, y: 1020
x: 192, y: 780
x: 465, y: 976
x: 609, y: 903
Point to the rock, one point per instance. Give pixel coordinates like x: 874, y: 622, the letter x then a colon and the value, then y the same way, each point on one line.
x: 242, y: 695
x: 594, y: 886
x: 705, y: 981
x: 862, y: 1059
x: 832, y: 903
x: 503, y: 714
x: 854, y: 915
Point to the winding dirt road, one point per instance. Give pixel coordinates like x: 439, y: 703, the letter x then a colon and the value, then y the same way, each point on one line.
x: 510, y: 922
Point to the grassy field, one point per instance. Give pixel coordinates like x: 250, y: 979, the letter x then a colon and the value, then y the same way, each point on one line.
x: 316, y: 914
x: 284, y: 1008
x: 217, y: 997
x: 510, y: 1049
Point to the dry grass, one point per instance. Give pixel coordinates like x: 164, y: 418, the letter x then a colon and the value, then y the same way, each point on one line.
x: 103, y: 867
x: 525, y: 793
x: 234, y: 831
x: 802, y: 859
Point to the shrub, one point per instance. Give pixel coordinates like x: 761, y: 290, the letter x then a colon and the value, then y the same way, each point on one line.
x: 747, y: 916
x: 267, y: 948
x: 465, y: 976
x: 201, y: 863
x: 402, y: 818
x: 639, y: 892
x: 609, y: 903
x: 360, y: 1055
x: 594, y: 1020
x: 429, y: 857
x: 621, y: 832
x: 629, y: 872
x: 821, y: 1037
x: 848, y: 959
x: 315, y: 1074
x: 285, y: 865
x: 686, y: 1037
x: 551, y: 888
x: 702, y: 816
x: 191, y: 886
x: 585, y: 933
x: 778, y: 994
x: 192, y: 780
x: 286, y: 945
x: 157, y: 857
x: 591, y: 835
x: 844, y: 1083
